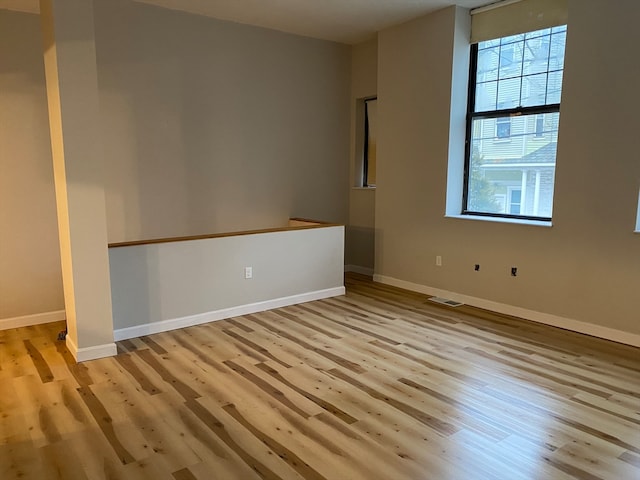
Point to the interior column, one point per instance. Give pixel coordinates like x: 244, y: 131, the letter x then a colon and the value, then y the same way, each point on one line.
x: 72, y: 91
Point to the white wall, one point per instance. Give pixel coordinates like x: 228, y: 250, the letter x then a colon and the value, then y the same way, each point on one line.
x: 30, y: 275
x: 587, y: 266
x: 162, y: 286
x: 212, y: 126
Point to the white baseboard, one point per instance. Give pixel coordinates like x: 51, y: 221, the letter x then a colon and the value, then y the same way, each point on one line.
x: 91, y: 353
x: 198, y: 319
x: 29, y: 320
x: 358, y: 269
x: 578, y: 326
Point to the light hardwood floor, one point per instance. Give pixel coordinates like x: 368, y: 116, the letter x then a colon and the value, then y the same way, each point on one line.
x: 378, y: 384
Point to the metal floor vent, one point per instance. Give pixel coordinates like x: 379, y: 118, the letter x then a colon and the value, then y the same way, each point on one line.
x: 445, y: 301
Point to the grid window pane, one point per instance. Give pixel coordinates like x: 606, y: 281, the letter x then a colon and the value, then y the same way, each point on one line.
x: 486, y: 95
x: 556, y: 57
x: 536, y: 56
x: 489, y: 43
x: 537, y: 33
x: 534, y: 90
x: 509, y: 93
x: 512, y: 39
x: 554, y: 88
x: 488, y: 64
x: 522, y: 165
x: 511, y: 60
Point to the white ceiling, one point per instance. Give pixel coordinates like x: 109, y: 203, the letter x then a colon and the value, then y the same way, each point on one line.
x: 346, y: 21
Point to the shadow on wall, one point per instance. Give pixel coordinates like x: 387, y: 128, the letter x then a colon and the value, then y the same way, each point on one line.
x: 30, y: 274
x: 360, y: 246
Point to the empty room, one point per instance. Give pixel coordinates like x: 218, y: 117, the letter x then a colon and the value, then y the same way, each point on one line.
x: 294, y: 239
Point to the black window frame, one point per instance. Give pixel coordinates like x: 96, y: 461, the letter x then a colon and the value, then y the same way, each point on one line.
x: 506, y: 112
x: 365, y: 153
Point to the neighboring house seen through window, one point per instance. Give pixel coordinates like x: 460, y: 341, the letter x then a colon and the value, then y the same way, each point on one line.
x: 512, y: 124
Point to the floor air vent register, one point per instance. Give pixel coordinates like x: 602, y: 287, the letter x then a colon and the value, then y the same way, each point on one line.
x: 445, y: 301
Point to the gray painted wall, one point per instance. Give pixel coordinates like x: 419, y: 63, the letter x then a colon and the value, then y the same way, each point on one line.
x: 587, y: 265
x: 207, y: 126
x: 361, y: 229
x: 169, y: 281
x: 211, y: 126
x: 153, y: 114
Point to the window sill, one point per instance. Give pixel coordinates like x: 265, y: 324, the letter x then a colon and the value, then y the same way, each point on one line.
x: 373, y: 188
x: 518, y: 221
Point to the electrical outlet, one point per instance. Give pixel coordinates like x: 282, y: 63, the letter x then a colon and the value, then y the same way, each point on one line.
x: 514, y: 271
x: 438, y: 261
x: 248, y: 272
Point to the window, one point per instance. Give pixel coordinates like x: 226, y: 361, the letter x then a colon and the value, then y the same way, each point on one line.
x: 515, y: 201
x: 514, y: 97
x: 370, y: 141
x: 503, y: 127
x: 539, y: 132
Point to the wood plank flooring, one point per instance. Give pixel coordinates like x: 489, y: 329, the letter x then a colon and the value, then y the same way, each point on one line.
x: 378, y: 384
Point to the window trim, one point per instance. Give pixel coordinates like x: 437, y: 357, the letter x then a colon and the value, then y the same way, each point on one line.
x: 470, y: 117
